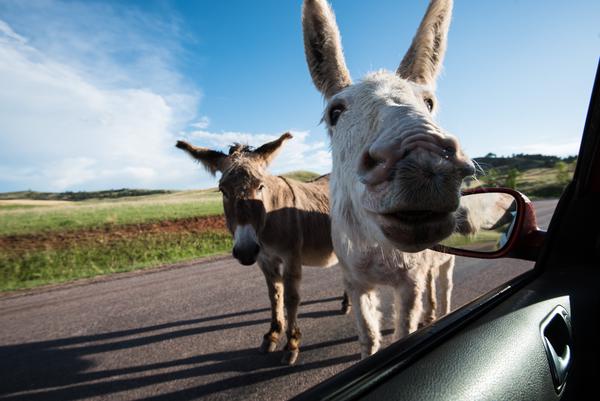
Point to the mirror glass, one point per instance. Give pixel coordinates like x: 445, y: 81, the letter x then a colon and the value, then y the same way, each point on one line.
x: 484, y: 222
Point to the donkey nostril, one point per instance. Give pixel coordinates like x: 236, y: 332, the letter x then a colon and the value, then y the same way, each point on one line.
x: 368, y: 162
x: 374, y: 167
x: 448, y: 152
x: 467, y: 169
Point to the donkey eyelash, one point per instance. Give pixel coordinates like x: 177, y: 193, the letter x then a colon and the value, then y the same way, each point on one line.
x: 334, y: 112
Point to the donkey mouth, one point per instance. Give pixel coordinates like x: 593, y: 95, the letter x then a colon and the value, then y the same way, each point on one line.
x: 415, y: 216
x: 415, y: 230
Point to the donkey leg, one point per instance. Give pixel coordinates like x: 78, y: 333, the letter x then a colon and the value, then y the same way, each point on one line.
x: 275, y: 287
x: 431, y: 308
x: 408, y: 302
x: 346, y: 304
x: 291, y: 296
x: 401, y: 299
x: 367, y: 317
x: 446, y: 284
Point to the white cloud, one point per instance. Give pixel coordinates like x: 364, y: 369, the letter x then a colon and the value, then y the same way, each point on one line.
x: 202, y: 123
x: 557, y: 149
x: 86, y: 108
x: 62, y: 130
x: 7, y: 31
x: 296, y: 154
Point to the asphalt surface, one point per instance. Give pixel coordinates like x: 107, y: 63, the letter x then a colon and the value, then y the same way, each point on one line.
x: 188, y: 332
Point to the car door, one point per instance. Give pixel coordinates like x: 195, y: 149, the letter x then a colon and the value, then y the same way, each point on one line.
x: 533, y: 338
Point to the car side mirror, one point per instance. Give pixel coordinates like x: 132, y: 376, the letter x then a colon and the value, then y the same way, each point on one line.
x: 494, y: 223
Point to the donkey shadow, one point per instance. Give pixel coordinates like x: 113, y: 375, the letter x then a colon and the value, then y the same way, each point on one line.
x: 41, y: 370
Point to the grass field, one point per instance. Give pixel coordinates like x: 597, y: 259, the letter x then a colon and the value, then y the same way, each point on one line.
x: 49, y: 238
x: 105, y: 255
x: 50, y: 241
x: 35, y: 216
x: 536, y: 183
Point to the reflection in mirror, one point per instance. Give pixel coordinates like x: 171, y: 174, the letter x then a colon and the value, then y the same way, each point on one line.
x: 485, y: 222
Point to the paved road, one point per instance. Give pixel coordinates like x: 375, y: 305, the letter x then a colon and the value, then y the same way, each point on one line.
x: 186, y: 333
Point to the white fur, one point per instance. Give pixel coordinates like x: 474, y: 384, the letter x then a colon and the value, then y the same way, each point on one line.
x: 386, y: 147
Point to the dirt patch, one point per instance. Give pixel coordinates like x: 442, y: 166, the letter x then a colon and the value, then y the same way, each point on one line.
x: 109, y: 233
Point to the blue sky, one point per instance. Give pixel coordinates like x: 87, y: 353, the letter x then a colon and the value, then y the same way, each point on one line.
x: 95, y: 93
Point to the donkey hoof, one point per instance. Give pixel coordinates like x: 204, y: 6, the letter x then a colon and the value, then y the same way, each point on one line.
x: 426, y: 322
x: 346, y: 309
x: 267, y: 346
x: 290, y: 356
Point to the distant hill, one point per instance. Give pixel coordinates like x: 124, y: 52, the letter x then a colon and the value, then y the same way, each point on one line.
x: 521, y: 161
x: 81, y: 195
x: 301, y: 175
x: 537, y: 176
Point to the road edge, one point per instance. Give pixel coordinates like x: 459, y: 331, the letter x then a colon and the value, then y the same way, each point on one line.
x: 81, y: 282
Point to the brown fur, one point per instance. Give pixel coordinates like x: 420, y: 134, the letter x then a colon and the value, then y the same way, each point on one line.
x: 280, y: 223
x: 323, y: 49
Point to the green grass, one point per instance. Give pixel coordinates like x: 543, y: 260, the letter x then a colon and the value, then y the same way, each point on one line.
x: 536, y: 183
x: 543, y: 183
x: 98, y: 213
x: 104, y: 253
x: 484, y: 240
x: 38, y: 267
x: 18, y: 207
x: 89, y: 252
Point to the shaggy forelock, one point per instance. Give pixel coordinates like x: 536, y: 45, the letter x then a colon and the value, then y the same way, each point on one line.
x: 239, y: 148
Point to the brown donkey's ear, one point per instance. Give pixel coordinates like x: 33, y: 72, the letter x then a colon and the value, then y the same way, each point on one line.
x: 269, y: 150
x: 212, y: 160
x: 323, y: 48
x: 423, y: 60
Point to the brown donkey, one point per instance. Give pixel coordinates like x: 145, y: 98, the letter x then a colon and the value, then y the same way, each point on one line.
x: 277, y: 222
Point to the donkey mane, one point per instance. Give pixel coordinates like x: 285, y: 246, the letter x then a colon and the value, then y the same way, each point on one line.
x: 239, y: 148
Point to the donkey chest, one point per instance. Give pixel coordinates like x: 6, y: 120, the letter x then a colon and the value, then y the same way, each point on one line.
x: 306, y: 241
x: 279, y: 235
x: 373, y: 265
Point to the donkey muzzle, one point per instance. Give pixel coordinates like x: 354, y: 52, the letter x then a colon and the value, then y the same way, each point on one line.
x: 378, y: 162
x: 246, y: 255
x: 246, y: 247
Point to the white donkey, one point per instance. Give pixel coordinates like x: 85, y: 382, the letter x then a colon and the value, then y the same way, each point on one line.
x: 395, y: 183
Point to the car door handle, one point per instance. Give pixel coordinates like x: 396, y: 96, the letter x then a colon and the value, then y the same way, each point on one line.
x: 559, y: 362
x: 556, y: 335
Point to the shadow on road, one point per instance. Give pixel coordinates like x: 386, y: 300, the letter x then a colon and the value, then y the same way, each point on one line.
x: 42, y: 370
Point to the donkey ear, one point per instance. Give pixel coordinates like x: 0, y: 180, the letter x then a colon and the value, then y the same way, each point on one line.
x: 323, y: 48
x: 269, y: 150
x: 423, y: 60
x: 212, y: 160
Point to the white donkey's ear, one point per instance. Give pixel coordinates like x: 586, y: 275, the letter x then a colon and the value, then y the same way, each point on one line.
x: 423, y: 60
x: 323, y: 48
x: 212, y: 160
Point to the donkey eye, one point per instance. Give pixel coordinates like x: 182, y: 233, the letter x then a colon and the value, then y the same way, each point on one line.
x: 335, y: 112
x: 429, y: 103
